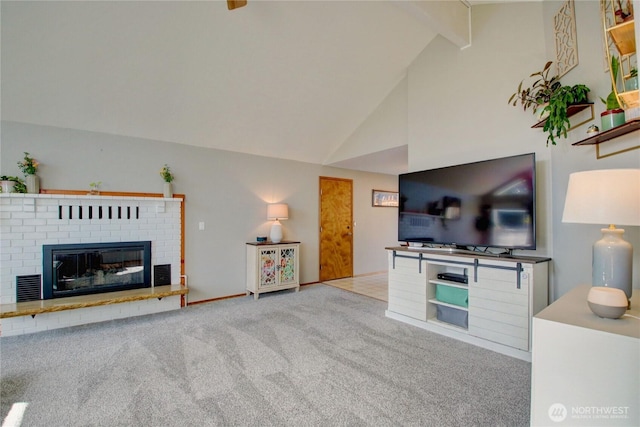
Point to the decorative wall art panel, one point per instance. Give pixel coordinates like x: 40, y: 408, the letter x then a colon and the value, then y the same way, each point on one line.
x: 564, y: 24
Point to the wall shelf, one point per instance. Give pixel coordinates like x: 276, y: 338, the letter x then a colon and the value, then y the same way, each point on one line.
x: 630, y: 98
x: 620, y: 43
x: 629, y: 127
x: 572, y: 110
x: 624, y: 37
x: 624, y: 129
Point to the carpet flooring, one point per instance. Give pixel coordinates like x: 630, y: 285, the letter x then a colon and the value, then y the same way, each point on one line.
x: 318, y: 357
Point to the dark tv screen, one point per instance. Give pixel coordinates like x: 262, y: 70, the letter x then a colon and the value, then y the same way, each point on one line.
x: 489, y: 203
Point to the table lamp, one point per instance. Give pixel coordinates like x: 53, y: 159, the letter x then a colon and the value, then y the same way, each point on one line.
x: 610, y: 196
x: 276, y: 212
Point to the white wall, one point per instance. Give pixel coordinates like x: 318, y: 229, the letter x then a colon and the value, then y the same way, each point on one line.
x: 225, y: 190
x: 572, y: 243
x: 458, y: 113
x: 385, y: 128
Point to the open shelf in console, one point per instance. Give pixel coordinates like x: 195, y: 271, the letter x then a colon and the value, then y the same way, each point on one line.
x: 448, y: 300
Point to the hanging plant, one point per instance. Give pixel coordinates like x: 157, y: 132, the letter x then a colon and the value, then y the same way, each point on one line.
x: 557, y: 123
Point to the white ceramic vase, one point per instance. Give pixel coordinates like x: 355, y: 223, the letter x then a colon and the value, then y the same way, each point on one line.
x: 168, y: 190
x: 33, y: 184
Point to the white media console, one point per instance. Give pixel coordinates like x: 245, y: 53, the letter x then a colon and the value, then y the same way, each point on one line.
x: 494, y: 309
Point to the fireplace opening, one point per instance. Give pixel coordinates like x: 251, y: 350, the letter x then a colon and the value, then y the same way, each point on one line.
x: 82, y: 269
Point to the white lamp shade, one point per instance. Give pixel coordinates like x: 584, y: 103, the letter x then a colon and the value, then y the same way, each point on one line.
x: 609, y: 196
x: 277, y: 211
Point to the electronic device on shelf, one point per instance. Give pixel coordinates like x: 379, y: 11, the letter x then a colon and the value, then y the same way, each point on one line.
x: 489, y: 203
x: 454, y: 277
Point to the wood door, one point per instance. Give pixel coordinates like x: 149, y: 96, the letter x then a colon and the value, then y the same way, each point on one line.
x: 336, y: 228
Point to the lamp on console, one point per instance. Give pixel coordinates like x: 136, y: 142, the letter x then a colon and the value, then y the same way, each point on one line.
x: 276, y: 212
x: 609, y: 196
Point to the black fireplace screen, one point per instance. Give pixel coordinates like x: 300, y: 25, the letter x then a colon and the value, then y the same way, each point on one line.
x: 79, y: 269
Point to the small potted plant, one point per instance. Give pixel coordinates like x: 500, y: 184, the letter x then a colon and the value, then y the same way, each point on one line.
x: 94, y: 187
x: 29, y: 166
x: 168, y: 178
x: 537, y: 96
x: 12, y: 184
x: 613, y: 116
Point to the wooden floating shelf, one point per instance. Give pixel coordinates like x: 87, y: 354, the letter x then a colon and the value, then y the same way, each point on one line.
x: 630, y: 126
x: 572, y: 110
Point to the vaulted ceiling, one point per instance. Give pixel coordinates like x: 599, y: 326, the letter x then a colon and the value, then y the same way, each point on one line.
x: 290, y: 79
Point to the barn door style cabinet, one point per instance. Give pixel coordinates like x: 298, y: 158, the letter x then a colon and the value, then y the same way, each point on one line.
x: 484, y: 300
x: 272, y: 267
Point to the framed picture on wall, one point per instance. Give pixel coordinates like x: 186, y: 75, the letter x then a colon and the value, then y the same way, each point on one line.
x: 386, y: 199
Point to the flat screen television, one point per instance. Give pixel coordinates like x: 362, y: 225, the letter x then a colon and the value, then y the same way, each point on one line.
x: 485, y: 204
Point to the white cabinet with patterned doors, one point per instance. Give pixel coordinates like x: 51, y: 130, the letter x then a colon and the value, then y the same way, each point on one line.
x: 272, y: 267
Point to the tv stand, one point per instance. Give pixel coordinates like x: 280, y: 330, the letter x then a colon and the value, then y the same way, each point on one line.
x: 494, y: 309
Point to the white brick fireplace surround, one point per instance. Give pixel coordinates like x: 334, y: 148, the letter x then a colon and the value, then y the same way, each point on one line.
x: 30, y: 221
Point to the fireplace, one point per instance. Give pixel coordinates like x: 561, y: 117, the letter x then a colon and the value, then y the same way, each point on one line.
x: 81, y: 269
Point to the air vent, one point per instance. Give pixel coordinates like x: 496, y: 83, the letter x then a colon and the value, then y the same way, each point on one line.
x: 162, y: 274
x: 28, y: 287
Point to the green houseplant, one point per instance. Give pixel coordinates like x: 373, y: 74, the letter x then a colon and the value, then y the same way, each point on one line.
x: 613, y: 115
x: 547, y: 96
x: 29, y: 167
x: 17, y: 187
x: 557, y: 123
x: 168, y: 177
x: 612, y: 100
x: 539, y: 93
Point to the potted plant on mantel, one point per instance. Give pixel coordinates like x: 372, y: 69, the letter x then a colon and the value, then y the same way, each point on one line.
x: 12, y: 184
x: 168, y: 177
x: 29, y: 167
x: 547, y: 97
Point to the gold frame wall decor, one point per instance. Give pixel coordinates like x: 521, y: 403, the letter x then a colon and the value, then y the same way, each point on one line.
x: 564, y: 24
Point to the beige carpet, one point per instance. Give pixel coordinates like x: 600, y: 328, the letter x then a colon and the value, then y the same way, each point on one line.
x: 318, y: 357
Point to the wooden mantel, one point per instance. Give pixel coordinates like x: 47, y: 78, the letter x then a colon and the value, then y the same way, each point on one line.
x: 32, y: 308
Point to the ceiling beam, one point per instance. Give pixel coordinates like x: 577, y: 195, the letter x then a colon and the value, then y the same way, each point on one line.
x: 451, y: 19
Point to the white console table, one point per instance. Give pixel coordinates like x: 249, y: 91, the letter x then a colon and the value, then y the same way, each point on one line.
x: 585, y: 369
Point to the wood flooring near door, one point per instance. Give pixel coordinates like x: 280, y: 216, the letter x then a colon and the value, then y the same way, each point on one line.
x: 371, y: 285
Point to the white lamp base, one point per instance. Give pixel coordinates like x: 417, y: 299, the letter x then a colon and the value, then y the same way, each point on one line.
x: 276, y: 232
x: 612, y: 261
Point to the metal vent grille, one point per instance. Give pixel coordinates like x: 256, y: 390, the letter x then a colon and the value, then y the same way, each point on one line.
x: 28, y: 287
x: 162, y: 274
